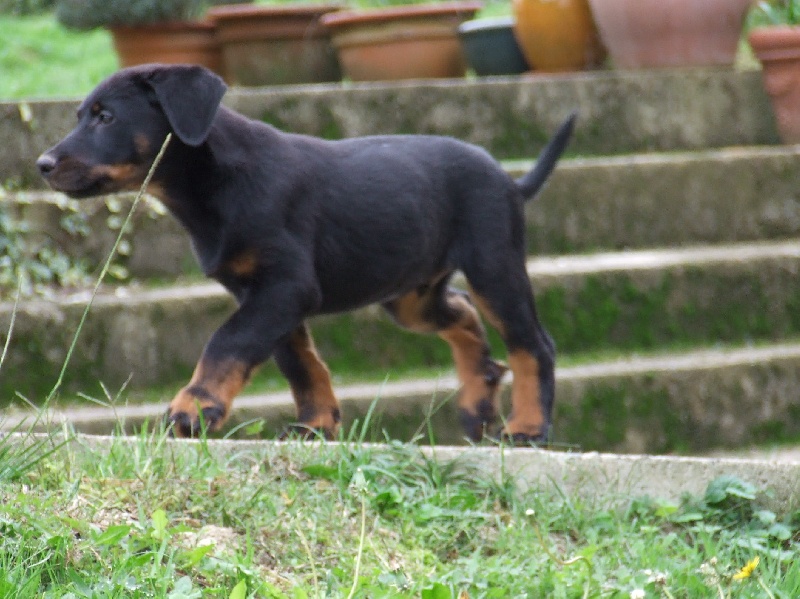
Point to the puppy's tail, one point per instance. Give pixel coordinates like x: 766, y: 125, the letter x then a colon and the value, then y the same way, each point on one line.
x: 530, y: 183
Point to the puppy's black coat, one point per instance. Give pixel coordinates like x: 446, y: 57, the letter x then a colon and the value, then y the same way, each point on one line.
x: 295, y: 226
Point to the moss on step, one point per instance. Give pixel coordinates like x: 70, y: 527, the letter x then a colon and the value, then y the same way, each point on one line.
x: 617, y: 311
x: 609, y: 415
x: 684, y: 305
x: 649, y: 412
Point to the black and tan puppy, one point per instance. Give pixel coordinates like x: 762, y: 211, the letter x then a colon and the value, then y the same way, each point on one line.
x: 295, y: 226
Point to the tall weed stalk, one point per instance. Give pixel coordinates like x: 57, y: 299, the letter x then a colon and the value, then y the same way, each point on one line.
x: 20, y: 450
x: 104, y: 271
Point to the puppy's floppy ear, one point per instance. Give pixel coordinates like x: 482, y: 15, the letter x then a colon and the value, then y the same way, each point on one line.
x: 189, y: 95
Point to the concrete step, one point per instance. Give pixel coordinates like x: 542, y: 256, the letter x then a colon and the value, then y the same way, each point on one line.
x: 667, y: 199
x: 600, y: 480
x: 620, y: 111
x: 593, y: 204
x: 620, y: 301
x: 691, y: 402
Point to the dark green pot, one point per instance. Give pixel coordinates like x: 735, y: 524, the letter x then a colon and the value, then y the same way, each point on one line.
x: 490, y: 46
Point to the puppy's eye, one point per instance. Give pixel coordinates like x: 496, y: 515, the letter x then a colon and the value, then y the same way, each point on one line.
x: 105, y: 117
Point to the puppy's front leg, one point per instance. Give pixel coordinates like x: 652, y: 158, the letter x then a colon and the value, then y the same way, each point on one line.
x: 245, y: 341
x: 317, y: 408
x: 214, y: 385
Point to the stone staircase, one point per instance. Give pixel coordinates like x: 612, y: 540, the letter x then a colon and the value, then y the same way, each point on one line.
x: 665, y: 255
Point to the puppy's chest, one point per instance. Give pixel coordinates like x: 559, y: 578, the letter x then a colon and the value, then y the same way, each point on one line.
x: 237, y: 272
x: 216, y: 239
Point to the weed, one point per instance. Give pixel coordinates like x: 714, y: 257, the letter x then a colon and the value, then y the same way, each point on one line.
x: 106, y: 268
x: 35, y: 266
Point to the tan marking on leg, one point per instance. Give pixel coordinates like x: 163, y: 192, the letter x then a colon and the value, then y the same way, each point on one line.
x: 466, y: 339
x: 213, y: 385
x: 527, y: 417
x: 407, y: 311
x: 317, y: 407
x: 488, y: 313
x: 479, y: 376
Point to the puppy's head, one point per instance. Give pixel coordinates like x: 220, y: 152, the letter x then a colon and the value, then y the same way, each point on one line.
x: 124, y: 121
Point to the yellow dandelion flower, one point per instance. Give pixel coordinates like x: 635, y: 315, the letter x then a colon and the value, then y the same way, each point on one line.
x: 747, y: 570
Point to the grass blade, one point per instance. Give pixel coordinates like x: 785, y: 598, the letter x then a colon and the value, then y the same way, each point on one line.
x: 105, y: 269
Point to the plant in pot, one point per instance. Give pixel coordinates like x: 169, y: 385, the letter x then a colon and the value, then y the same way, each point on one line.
x: 143, y: 31
x: 774, y: 37
x: 276, y: 44
x: 401, y: 42
x: 670, y: 33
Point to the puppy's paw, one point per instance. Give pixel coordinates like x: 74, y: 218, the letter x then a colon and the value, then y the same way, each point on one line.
x: 476, y: 424
x: 477, y: 409
x: 304, y: 432
x: 524, y: 436
x: 194, y: 410
x: 317, y: 424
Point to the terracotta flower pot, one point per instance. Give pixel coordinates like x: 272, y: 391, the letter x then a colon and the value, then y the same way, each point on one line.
x: 558, y: 35
x: 402, y: 42
x: 281, y: 44
x: 490, y: 46
x: 176, y: 42
x: 778, y: 49
x: 670, y: 33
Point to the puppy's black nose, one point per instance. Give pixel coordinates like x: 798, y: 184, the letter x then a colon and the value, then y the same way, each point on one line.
x: 46, y: 163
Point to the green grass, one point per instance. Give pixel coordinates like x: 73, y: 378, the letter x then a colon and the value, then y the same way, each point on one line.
x: 145, y: 518
x: 39, y: 58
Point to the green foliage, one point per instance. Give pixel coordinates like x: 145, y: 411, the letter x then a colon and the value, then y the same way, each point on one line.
x: 89, y: 14
x: 19, y: 454
x: 25, y: 7
x: 776, y: 12
x: 40, y: 58
x: 727, y: 518
x: 37, y: 266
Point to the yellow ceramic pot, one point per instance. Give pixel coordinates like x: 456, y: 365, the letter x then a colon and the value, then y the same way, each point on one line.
x: 558, y: 35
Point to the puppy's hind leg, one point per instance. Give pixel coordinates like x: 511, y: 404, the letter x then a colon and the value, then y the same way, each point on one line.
x: 531, y: 355
x: 448, y: 312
